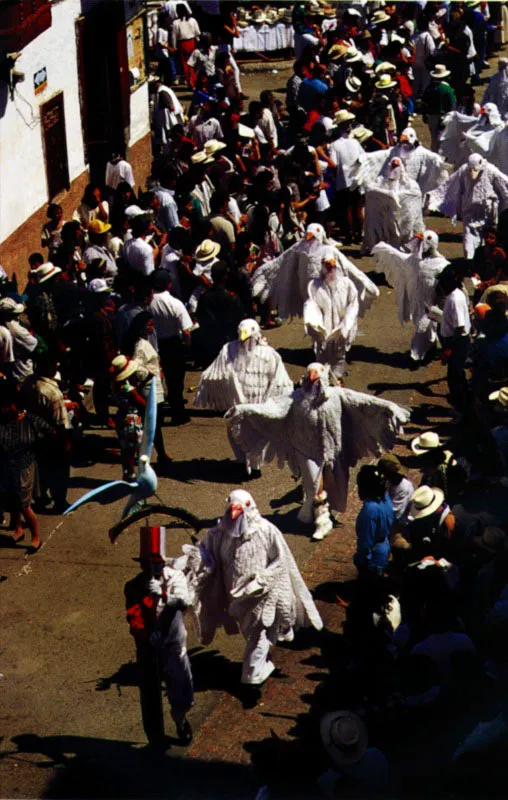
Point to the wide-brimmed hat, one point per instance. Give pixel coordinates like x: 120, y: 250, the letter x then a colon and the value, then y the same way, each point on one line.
x: 352, y: 55
x: 473, y: 3
x: 385, y: 66
x: 133, y: 211
x: 207, y: 250
x: 344, y: 736
x: 201, y: 158
x: 47, y: 271
x: 500, y: 396
x: 245, y: 132
x: 353, y: 84
x: 99, y: 285
x: 492, y: 539
x: 389, y: 464
x: 385, y: 82
x: 379, y: 17
x: 336, y: 51
x: 9, y: 306
x: 272, y: 16
x: 425, y: 442
x: 258, y: 16
x: 98, y: 227
x: 440, y: 71
x: 425, y: 501
x: 213, y: 146
x: 361, y: 133
x: 122, y: 367
x: 365, y: 34
x: 343, y: 116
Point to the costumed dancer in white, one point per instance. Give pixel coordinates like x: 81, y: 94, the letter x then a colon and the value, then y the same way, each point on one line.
x: 393, y: 208
x: 477, y: 192
x: 320, y: 431
x: 250, y: 579
x: 248, y: 370
x: 285, y: 279
x: 414, y: 276
x: 497, y: 90
x: 422, y: 165
x: 330, y: 314
x: 463, y: 134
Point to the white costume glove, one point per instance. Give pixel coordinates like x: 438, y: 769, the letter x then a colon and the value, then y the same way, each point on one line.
x: 154, y: 587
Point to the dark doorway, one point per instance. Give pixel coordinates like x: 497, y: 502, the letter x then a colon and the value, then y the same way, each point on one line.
x: 104, y: 83
x: 55, y: 145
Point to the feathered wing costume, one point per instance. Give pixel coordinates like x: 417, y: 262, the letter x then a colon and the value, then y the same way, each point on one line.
x: 477, y: 192
x: 414, y: 277
x: 330, y: 314
x: 320, y: 432
x: 421, y: 164
x: 497, y: 90
x: 247, y: 370
x: 249, y: 579
x: 285, y: 279
x: 463, y: 135
x: 393, y: 209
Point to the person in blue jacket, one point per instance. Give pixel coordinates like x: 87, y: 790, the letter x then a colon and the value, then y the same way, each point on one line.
x: 374, y: 522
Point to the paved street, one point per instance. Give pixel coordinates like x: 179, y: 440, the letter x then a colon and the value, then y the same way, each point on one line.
x: 70, y: 712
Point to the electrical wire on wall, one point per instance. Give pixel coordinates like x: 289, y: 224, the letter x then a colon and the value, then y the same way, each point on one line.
x: 35, y: 118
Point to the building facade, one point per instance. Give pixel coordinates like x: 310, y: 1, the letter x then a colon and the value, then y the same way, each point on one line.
x: 83, y: 91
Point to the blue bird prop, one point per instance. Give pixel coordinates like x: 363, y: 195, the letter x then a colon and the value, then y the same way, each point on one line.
x: 145, y: 484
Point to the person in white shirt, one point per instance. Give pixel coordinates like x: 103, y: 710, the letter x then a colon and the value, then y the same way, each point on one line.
x: 399, y: 487
x: 184, y: 33
x: 23, y: 342
x: 118, y: 170
x: 167, y: 213
x: 455, y: 330
x: 344, y: 153
x: 173, y: 326
x: 266, y: 122
x: 6, y: 351
x: 204, y: 126
x: 138, y: 254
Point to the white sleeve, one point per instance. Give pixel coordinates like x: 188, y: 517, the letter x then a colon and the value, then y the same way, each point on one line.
x: 184, y: 317
x: 148, y: 262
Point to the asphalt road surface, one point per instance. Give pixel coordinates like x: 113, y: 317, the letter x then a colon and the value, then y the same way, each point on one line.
x: 70, y: 712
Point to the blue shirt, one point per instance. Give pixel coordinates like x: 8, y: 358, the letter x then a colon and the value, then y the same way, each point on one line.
x: 373, y: 528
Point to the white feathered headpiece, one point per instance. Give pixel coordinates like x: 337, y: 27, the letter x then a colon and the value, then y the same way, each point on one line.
x: 476, y: 162
x: 430, y: 243
x: 410, y: 135
x: 241, y: 527
x: 316, y: 231
x: 491, y: 111
x: 249, y: 329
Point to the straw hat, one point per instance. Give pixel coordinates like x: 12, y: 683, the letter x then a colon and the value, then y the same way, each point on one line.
x: 47, y: 271
x: 207, y: 250
x: 425, y: 501
x: 379, y: 17
x: 201, y: 158
x: 98, y: 227
x: 385, y: 66
x: 343, y: 116
x: 385, y: 82
x: 353, y: 84
x: 272, y: 16
x: 344, y: 737
x: 365, y: 34
x: 258, y: 16
x: 133, y: 211
x: 9, y: 306
x: 501, y: 396
x: 361, y: 133
x: 492, y: 539
x: 425, y: 442
x: 352, y: 55
x: 336, y: 51
x: 98, y: 285
x: 390, y: 465
x: 440, y: 71
x: 213, y: 146
x: 245, y: 132
x: 122, y: 367
x: 286, y: 16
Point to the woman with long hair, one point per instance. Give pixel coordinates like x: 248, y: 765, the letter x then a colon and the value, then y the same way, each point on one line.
x: 185, y: 32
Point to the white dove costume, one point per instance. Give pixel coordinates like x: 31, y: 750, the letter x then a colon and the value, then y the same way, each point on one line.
x: 463, y: 134
x: 422, y: 165
x: 252, y: 582
x: 393, y: 208
x: 247, y: 370
x: 330, y: 314
x: 321, y: 432
x: 285, y: 279
x: 477, y: 192
x: 497, y: 90
x: 414, y: 276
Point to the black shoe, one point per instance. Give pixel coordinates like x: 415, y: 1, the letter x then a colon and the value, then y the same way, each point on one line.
x: 180, y: 419
x: 184, y: 731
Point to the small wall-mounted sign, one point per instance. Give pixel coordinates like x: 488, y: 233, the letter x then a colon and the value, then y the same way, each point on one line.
x: 40, y: 80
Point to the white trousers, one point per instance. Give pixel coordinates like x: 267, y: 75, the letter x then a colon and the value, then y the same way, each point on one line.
x: 256, y: 665
x: 311, y: 479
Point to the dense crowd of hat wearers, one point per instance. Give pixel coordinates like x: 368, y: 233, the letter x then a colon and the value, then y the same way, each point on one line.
x: 143, y: 281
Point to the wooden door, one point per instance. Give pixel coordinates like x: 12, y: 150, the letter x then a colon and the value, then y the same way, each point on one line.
x: 55, y: 145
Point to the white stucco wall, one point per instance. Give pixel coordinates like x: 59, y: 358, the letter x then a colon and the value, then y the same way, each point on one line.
x: 140, y: 116
x: 23, y: 187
